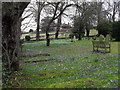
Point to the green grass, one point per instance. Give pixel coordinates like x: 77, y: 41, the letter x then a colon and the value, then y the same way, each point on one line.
x: 92, y: 32
x: 71, y: 65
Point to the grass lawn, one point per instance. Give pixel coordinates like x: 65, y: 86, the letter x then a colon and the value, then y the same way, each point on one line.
x: 70, y: 65
x: 92, y: 32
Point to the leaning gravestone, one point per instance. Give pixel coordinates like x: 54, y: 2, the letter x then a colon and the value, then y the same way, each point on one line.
x: 107, y: 39
x: 74, y: 38
x: 101, y: 38
x: 65, y: 34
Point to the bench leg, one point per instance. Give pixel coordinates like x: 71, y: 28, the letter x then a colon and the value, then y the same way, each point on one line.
x: 105, y: 49
x: 93, y: 48
x: 109, y: 50
x: 97, y: 49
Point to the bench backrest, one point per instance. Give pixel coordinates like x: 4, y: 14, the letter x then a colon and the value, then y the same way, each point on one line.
x: 98, y: 43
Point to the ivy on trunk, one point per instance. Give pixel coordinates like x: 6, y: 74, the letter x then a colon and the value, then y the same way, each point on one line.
x: 11, y: 23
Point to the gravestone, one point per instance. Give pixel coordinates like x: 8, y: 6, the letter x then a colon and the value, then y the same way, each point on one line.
x: 74, y: 38
x: 101, y: 38
x: 107, y: 39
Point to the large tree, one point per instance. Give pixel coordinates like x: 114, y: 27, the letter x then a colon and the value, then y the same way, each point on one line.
x: 11, y: 22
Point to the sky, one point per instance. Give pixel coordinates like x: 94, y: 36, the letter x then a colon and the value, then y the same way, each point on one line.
x: 29, y: 23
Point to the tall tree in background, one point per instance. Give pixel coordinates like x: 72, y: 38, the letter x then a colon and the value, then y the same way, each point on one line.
x: 119, y: 9
x: 113, y: 10
x: 44, y: 24
x: 38, y: 22
x: 59, y: 22
x: 83, y: 18
x: 90, y: 17
x: 40, y: 7
x: 98, y: 6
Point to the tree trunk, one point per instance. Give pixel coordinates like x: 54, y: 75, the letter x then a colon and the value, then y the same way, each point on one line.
x: 38, y: 22
x: 81, y: 26
x: 114, y: 12
x: 59, y: 22
x: 87, y: 33
x: 79, y: 36
x: 99, y: 11
x: 87, y: 30
x: 58, y: 27
x: 56, y: 34
x: 11, y: 46
x: 47, y: 35
x: 11, y: 35
x: 119, y: 9
x: 47, y: 39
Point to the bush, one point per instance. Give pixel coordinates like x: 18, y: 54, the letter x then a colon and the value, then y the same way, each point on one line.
x: 30, y: 31
x: 27, y: 38
x: 116, y: 30
x: 104, y: 28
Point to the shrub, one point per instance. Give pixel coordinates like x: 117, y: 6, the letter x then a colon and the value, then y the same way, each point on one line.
x: 71, y: 36
x: 116, y: 30
x: 104, y: 28
x: 30, y: 31
x: 27, y: 38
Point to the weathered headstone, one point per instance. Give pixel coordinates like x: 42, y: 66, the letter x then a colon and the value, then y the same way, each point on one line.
x: 74, y: 38
x: 107, y: 39
x: 101, y: 38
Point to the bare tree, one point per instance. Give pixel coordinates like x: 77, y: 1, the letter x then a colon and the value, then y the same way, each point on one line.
x: 84, y: 17
x: 90, y: 17
x: 40, y: 7
x: 59, y: 22
x: 119, y: 8
x: 114, y: 8
x: 98, y: 6
x: 37, y: 13
x: 55, y: 16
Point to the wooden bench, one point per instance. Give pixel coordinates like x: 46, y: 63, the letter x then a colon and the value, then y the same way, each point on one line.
x: 101, y: 46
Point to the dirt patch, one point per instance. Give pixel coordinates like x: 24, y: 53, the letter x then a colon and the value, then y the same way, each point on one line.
x: 28, y: 78
x: 37, y: 55
x: 39, y: 61
x: 86, y: 57
x: 31, y: 41
x: 52, y: 72
x: 42, y: 75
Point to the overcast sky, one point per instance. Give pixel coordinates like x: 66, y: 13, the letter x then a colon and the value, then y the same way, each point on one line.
x: 29, y: 23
